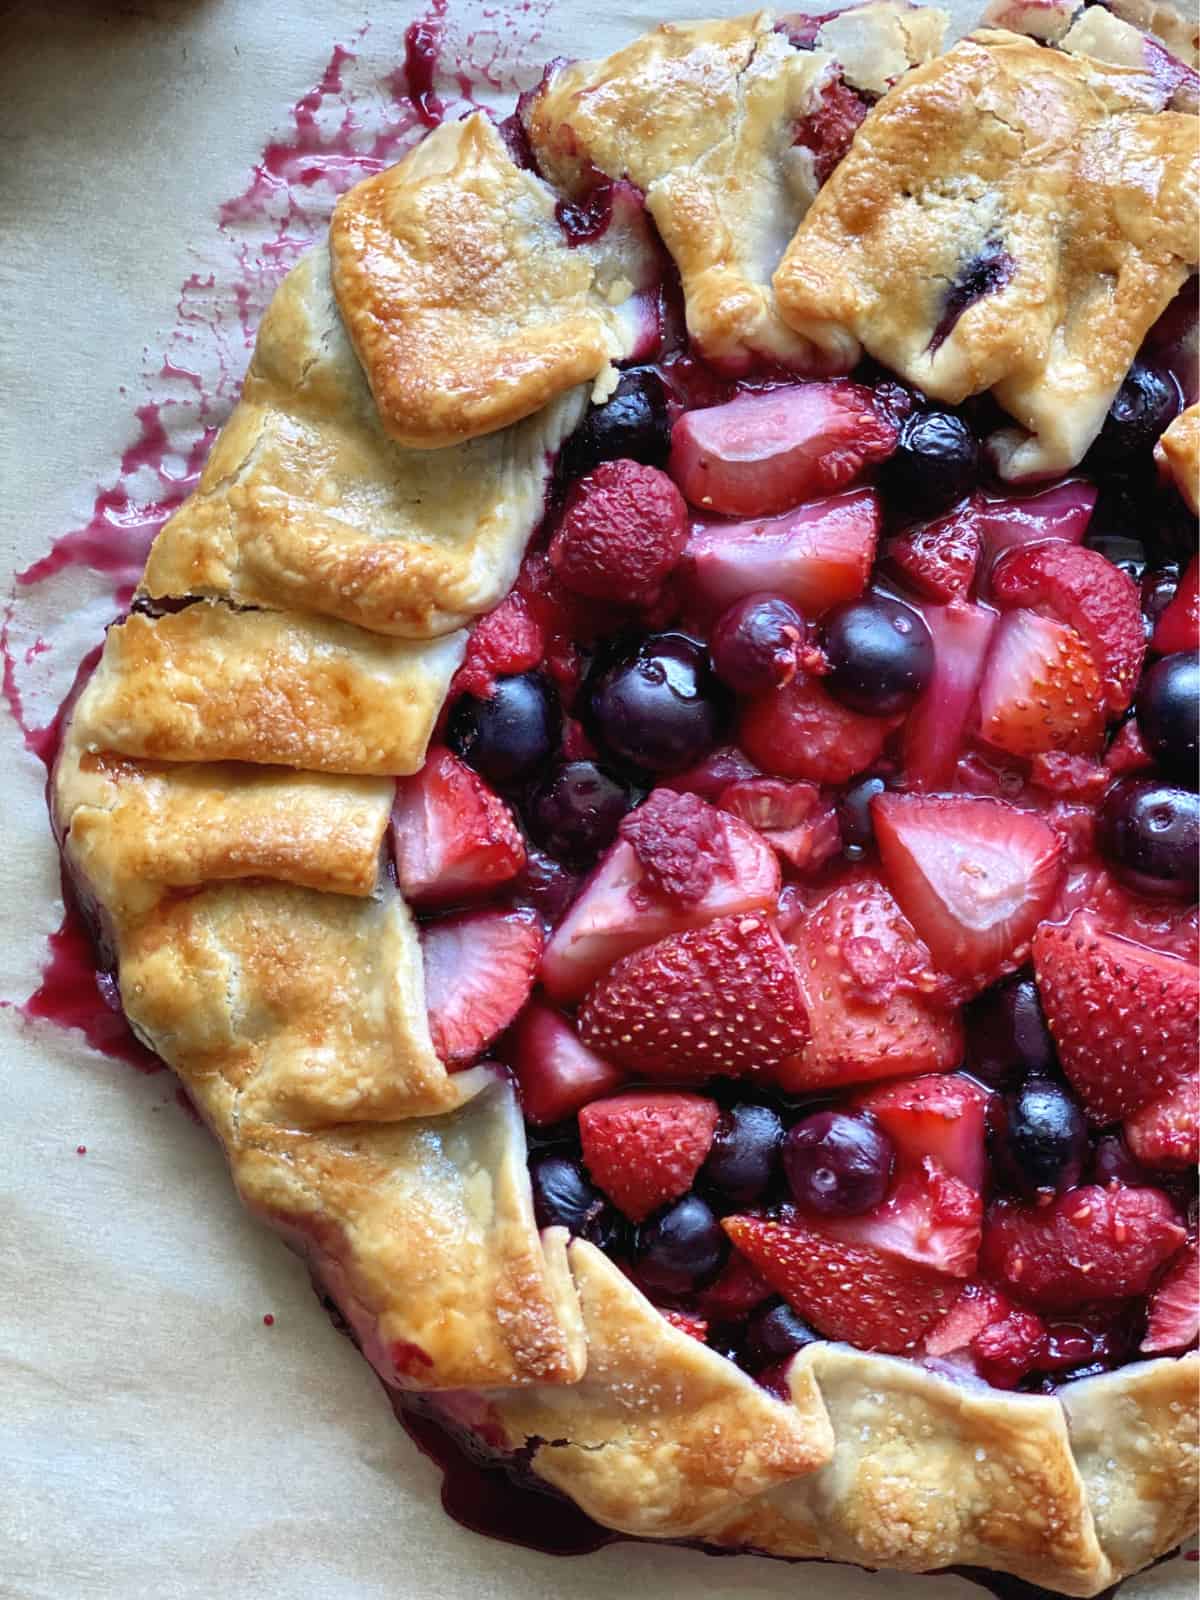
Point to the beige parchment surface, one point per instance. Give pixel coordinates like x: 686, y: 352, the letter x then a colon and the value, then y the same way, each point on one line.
x: 156, y: 1439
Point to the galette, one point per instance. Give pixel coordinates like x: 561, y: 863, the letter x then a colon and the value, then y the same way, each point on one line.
x: 650, y: 794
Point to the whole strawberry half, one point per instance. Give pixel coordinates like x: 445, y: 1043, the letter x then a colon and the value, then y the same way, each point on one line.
x: 1090, y: 1244
x: 723, y: 1000
x: 1125, y: 1018
x: 645, y: 1149
x: 479, y: 970
x: 452, y: 838
x: 1174, y: 1319
x: 1041, y: 690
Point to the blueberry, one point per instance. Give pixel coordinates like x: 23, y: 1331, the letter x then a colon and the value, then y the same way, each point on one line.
x: 935, y: 464
x: 681, y: 1249
x: 837, y: 1164
x: 575, y: 813
x: 1037, y: 1139
x: 1007, y: 1036
x: 1158, y: 590
x: 756, y: 644
x: 1113, y: 1161
x: 633, y: 425
x: 775, y: 1333
x: 989, y: 269
x: 1168, y: 711
x: 1146, y: 403
x: 741, y: 1164
x: 511, y: 736
x: 564, y: 1198
x: 1150, y: 834
x: 854, y: 816
x: 658, y: 707
x: 880, y: 653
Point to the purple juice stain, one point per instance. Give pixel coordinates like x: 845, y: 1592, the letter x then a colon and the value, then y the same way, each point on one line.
x: 585, y: 220
x: 985, y: 273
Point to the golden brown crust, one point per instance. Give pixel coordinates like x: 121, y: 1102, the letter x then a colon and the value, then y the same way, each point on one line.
x: 1178, y: 451
x: 1055, y: 168
x: 466, y: 306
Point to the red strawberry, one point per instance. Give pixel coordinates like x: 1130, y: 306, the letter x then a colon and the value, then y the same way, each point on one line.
x: 761, y: 453
x: 828, y: 130
x: 816, y: 556
x: 974, y: 876
x: 688, y: 1322
x: 556, y: 1071
x: 936, y: 725
x: 645, y: 1149
x: 867, y: 1298
x: 623, y: 905
x: 622, y: 533
x: 509, y: 639
x: 1178, y: 627
x: 976, y: 1307
x: 1090, y: 1244
x: 1071, y: 777
x: 876, y: 1006
x: 929, y: 1218
x: 939, y: 558
x: 452, y: 838
x: 940, y: 1115
x: 1061, y: 513
x: 799, y: 731
x: 1082, y: 588
x: 1040, y: 690
x: 479, y: 969
x: 1127, y: 753
x: 714, y: 773
x: 1166, y: 1133
x: 1174, y: 1320
x: 1124, y: 1018
x: 1164, y: 925
x: 1009, y: 1347
x: 719, y: 1001
x: 792, y: 817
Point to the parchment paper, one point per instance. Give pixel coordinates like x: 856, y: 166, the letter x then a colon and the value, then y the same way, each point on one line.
x: 156, y: 1438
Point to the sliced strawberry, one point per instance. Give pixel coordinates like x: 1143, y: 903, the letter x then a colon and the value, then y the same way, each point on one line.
x: 761, y: 453
x: 619, y: 908
x: 939, y: 558
x: 792, y: 817
x: 1061, y: 513
x: 1069, y: 777
x: 1090, y: 1244
x: 974, y: 876
x: 937, y: 724
x: 816, y: 556
x: 1124, y: 1018
x: 1178, y: 628
x: 688, y: 1322
x: 863, y: 1296
x: 929, y: 1218
x: 1082, y: 588
x: 876, y: 1006
x: 799, y: 731
x: 723, y: 1000
x: 452, y: 838
x: 556, y: 1071
x: 1174, y: 1320
x: 977, y: 1306
x: 1164, y: 925
x: 940, y: 1115
x: 479, y: 970
x: 1127, y: 753
x: 1166, y: 1133
x: 736, y: 1291
x: 645, y: 1149
x: 1041, y: 690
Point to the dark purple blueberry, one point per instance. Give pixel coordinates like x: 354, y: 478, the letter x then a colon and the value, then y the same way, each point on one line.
x: 1146, y: 403
x: 935, y: 464
x: 1150, y: 834
x: 1007, y: 1036
x: 986, y: 272
x: 1127, y: 553
x: 633, y: 424
x: 659, y: 707
x: 854, y: 816
x: 513, y: 735
x: 880, y: 654
x: 775, y: 1334
x: 837, y: 1164
x: 575, y: 813
x: 564, y: 1198
x: 1113, y: 1162
x: 1158, y: 590
x: 681, y: 1249
x: 756, y: 644
x: 1037, y: 1139
x: 545, y: 885
x: 741, y: 1164
x: 1168, y: 714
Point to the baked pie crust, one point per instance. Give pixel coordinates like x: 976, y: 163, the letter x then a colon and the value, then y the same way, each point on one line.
x: 225, y: 785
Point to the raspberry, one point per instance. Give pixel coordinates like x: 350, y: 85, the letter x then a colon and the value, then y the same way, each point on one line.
x: 622, y: 533
x: 679, y: 843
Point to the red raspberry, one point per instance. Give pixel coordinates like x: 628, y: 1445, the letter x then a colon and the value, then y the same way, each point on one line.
x: 621, y: 534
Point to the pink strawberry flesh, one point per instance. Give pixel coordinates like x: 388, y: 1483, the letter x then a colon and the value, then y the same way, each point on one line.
x: 976, y: 1308
x: 1041, y: 690
x: 937, y: 724
x: 939, y: 1115
x: 939, y: 558
x: 760, y: 453
x: 617, y: 912
x: 1178, y: 628
x: 1174, y: 1320
x: 556, y: 1071
x: 929, y: 1218
x: 974, y: 876
x: 644, y: 1149
x: 452, y: 838
x: 816, y: 556
x: 793, y: 818
x: 1166, y: 1132
x: 479, y: 970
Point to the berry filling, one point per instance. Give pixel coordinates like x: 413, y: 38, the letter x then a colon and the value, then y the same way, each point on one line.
x: 817, y: 845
